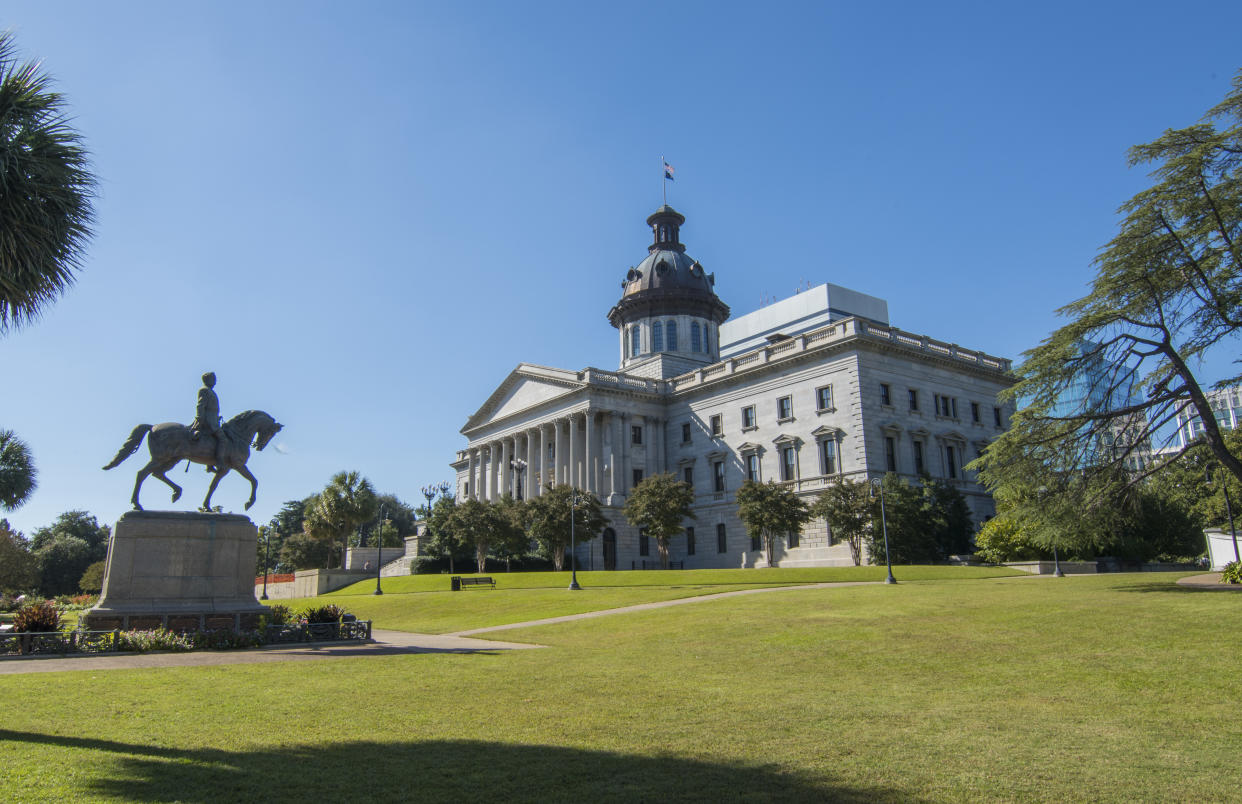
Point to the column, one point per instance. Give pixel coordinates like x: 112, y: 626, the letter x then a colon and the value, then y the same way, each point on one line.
x: 558, y: 447
x: 532, y: 485
x: 655, y: 453
x: 541, y: 457
x: 590, y: 453
x: 503, y: 474
x: 575, y: 451
x: 627, y: 466
x: 614, y: 453
x: 470, y: 473
x: 493, y: 451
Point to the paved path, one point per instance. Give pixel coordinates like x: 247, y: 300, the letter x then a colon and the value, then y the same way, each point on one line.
x: 386, y: 643
x: 1209, y: 580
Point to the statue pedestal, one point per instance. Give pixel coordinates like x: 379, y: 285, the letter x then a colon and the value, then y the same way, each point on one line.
x: 179, y: 570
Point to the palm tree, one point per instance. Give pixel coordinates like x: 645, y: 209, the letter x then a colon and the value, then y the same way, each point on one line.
x: 17, y: 471
x: 346, y: 502
x: 46, y: 192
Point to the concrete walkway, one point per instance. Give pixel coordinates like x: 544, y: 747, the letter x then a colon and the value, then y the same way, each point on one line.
x: 386, y: 643
x: 1209, y: 580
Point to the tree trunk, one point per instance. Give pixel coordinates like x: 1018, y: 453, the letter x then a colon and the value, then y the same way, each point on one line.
x: 662, y: 546
x: 856, y: 551
x: 558, y: 557
x: 480, y: 558
x: 770, y: 542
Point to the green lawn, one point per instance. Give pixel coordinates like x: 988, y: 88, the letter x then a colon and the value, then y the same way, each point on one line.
x: 1101, y: 688
x: 523, y: 596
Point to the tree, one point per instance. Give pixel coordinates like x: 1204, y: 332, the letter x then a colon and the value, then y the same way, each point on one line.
x: 444, y: 537
x: 19, y: 567
x: 1003, y: 538
x: 483, y: 524
x: 1168, y: 288
x: 511, y: 541
x: 660, y: 504
x: 17, y: 471
x: 345, y: 503
x: 78, y: 524
x: 926, y: 522
x: 303, y: 550
x: 46, y: 191
x: 93, y: 577
x: 770, y: 510
x: 849, y: 509
x: 548, y: 520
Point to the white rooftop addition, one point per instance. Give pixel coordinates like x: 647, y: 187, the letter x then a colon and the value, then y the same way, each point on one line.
x: 803, y: 312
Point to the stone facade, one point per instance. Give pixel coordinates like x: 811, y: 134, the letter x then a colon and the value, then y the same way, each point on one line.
x: 852, y: 398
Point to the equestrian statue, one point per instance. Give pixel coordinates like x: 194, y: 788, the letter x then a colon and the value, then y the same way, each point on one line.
x: 221, y: 447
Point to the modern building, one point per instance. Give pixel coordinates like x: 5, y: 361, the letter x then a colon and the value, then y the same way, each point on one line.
x: 807, y: 391
x: 1226, y: 406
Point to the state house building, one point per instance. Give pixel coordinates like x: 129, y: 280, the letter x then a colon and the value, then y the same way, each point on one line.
x: 805, y: 391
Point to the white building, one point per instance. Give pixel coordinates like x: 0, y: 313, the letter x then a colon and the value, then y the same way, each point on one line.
x: 806, y: 391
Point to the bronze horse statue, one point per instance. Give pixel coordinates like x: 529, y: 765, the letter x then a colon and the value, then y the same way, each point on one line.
x: 170, y: 443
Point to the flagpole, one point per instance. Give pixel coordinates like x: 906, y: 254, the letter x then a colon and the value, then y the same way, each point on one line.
x: 663, y: 180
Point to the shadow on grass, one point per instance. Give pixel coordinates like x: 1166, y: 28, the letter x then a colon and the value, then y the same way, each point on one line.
x: 437, y: 771
x: 1170, y: 587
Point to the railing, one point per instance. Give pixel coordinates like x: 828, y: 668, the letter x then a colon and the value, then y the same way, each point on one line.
x: 62, y: 643
x: 655, y: 565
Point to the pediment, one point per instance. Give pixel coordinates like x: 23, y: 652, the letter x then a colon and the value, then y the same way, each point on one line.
x: 749, y: 446
x: 827, y: 431
x: 787, y: 439
x: 526, y: 387
x: 953, y: 435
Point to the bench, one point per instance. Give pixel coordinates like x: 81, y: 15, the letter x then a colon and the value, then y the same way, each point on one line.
x: 484, y: 581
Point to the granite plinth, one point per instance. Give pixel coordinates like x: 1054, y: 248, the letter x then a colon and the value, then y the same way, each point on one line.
x: 179, y: 570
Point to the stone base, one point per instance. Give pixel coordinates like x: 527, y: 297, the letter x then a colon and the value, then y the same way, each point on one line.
x: 179, y: 570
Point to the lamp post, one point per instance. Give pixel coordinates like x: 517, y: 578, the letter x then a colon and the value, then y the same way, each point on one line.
x: 519, y: 467
x: 1224, y: 486
x: 574, y: 500
x: 1042, y: 491
x: 877, y: 484
x: 379, y: 555
x: 267, y: 556
x: 430, y: 493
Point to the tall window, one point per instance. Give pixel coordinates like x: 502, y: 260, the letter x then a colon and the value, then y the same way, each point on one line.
x: 784, y: 408
x: 748, y: 417
x: 722, y: 544
x: 671, y: 331
x: 644, y: 544
x: 914, y: 399
x: 918, y: 458
x: 974, y: 412
x: 886, y: 394
x: 791, y: 538
x: 636, y: 434
x: 950, y: 456
x: 718, y: 483
x: 752, y: 467
x: 996, y: 415
x: 685, y: 433
x: 717, y: 425
x: 823, y: 398
x: 788, y: 465
x: 634, y: 342
x: 696, y: 344
x: 657, y: 337
x: 890, y: 453
x: 638, y: 476
x: 689, y: 541
x: 687, y: 476
x: 828, y: 457
x: 707, y: 340
x: 755, y: 543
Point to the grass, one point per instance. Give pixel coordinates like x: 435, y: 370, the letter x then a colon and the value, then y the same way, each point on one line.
x: 525, y: 596
x: 1099, y: 688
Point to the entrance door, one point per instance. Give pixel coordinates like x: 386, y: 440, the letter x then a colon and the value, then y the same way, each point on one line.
x: 610, y: 549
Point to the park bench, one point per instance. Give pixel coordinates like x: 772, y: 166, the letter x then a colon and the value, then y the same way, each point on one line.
x: 484, y: 581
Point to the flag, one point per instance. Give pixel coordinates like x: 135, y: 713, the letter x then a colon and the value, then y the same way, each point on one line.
x: 668, y: 171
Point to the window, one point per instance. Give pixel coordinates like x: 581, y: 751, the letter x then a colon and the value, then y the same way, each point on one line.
x: 886, y: 394
x: 974, y: 412
x: 657, y: 337
x: 823, y: 398
x: 717, y: 425
x: 914, y: 399
x: 997, y: 416
x: 718, y: 483
x: 946, y: 406
x: 638, y: 476
x: 791, y: 538
x: 788, y: 463
x: 689, y: 541
x: 827, y: 457
x: 636, y: 434
x: 634, y: 341
x: 707, y: 340
x: 752, y: 467
x: 644, y: 544
x: 748, y: 417
x: 918, y: 458
x: 687, y: 476
x: 890, y: 453
x: 722, y: 545
x: 695, y: 339
x: 950, y: 460
x: 671, y: 331
x: 755, y: 544
x: 685, y: 433
x: 784, y: 408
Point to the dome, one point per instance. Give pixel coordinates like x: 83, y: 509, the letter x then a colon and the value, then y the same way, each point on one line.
x: 667, y: 281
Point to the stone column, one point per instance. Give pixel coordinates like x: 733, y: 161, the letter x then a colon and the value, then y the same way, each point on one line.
x: 627, y: 467
x: 493, y: 451
x: 614, y: 453
x: 532, y: 485
x: 503, y: 475
x: 575, y: 452
x: 558, y: 452
x: 590, y: 454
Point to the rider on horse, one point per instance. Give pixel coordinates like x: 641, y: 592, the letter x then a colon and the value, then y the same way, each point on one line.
x: 207, y: 418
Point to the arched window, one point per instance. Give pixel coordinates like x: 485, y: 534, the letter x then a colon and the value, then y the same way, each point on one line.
x: 696, y: 344
x: 707, y: 339
x: 672, y: 335
x: 657, y: 337
x: 634, y: 342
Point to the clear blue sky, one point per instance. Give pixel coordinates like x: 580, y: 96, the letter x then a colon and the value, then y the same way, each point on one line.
x: 362, y: 216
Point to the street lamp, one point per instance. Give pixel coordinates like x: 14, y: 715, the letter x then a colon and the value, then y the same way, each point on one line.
x: 877, y: 484
x: 519, y: 466
x: 574, y: 499
x: 430, y: 493
x: 267, y: 556
x: 379, y: 555
x: 1224, y: 486
x: 1042, y: 491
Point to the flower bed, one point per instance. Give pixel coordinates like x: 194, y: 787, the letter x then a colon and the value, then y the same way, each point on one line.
x: 284, y: 577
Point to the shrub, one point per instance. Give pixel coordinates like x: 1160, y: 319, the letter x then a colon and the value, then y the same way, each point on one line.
x: 155, y: 639
x: 92, y: 577
x: 278, y: 614
x: 324, y: 614
x: 1232, y: 572
x: 224, y: 639
x: 35, y: 617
